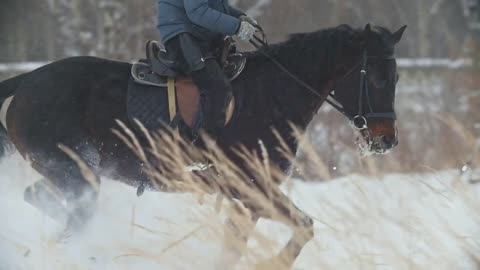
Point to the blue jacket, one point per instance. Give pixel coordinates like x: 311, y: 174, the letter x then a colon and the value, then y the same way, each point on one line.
x: 205, y: 19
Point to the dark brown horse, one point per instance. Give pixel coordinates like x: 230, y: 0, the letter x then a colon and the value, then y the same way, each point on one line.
x: 76, y: 101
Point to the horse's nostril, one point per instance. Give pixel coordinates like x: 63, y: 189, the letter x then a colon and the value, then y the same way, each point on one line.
x: 389, y: 141
x: 386, y: 142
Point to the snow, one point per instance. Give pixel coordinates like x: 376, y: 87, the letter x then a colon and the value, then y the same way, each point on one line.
x: 425, y: 221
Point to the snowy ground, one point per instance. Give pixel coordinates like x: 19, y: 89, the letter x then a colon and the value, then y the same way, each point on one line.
x: 399, y: 222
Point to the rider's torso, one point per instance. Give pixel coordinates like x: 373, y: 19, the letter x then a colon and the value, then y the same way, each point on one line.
x: 173, y: 20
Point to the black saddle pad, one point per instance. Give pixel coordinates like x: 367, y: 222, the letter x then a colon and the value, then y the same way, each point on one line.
x: 149, y: 105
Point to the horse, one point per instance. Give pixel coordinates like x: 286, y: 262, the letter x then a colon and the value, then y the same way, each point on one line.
x: 77, y: 101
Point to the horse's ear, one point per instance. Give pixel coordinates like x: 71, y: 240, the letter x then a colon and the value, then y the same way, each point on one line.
x: 368, y: 29
x: 398, y: 35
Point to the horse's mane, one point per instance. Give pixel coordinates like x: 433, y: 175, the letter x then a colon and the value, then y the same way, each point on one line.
x: 307, y: 55
x: 322, y: 44
x: 341, y: 33
x: 326, y: 33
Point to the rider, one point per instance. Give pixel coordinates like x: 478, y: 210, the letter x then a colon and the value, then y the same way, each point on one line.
x: 189, y: 29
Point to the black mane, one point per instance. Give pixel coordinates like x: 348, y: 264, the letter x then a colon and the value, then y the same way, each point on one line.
x: 325, y: 44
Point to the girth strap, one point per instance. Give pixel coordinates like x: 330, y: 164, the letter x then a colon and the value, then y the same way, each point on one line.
x: 172, y: 103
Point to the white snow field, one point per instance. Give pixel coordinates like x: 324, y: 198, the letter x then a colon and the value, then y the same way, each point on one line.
x: 398, y: 222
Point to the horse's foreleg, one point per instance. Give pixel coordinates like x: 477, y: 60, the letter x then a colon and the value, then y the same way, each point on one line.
x: 236, y: 232
x: 303, y: 231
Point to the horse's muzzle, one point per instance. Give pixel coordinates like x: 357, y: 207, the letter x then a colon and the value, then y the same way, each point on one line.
x: 383, y: 143
x: 379, y: 137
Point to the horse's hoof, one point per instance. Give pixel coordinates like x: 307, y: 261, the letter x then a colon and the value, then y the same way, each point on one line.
x: 228, y: 260
x: 273, y: 264
x: 80, y: 216
x: 64, y: 236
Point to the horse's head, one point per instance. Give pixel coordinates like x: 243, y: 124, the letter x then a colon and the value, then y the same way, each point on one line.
x: 366, y: 89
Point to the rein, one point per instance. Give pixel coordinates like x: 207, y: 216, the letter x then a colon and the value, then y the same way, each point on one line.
x: 359, y: 120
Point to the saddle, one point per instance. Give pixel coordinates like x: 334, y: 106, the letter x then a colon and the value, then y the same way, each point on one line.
x: 158, y: 95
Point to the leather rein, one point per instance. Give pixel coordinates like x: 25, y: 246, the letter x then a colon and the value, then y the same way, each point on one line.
x: 358, y: 119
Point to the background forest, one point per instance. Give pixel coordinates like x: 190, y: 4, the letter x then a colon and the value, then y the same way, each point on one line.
x: 438, y: 93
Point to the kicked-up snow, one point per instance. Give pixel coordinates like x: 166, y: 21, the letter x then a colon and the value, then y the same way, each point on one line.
x: 427, y: 221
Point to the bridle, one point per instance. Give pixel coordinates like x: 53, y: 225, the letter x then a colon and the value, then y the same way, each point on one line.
x: 358, y: 119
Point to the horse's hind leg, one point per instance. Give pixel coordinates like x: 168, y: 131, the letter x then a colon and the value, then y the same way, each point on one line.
x: 46, y: 198
x: 81, y: 194
x: 65, y: 174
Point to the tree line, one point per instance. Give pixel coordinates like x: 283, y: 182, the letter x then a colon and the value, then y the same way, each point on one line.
x: 39, y: 30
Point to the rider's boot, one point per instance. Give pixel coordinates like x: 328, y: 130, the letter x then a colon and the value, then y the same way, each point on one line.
x: 216, y: 94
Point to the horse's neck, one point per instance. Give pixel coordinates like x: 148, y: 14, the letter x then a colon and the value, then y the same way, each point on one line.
x: 293, y: 101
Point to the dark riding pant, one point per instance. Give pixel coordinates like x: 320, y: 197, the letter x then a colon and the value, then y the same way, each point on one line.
x: 215, y: 89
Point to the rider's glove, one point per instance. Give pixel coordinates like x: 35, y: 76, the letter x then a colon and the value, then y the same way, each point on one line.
x: 250, y: 20
x: 246, y: 31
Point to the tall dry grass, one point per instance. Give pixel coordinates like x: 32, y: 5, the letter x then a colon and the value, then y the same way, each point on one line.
x: 174, y: 165
x: 172, y: 171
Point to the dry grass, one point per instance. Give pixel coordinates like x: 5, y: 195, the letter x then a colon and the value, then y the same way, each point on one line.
x: 167, y: 169
x: 352, y: 221
x: 220, y: 175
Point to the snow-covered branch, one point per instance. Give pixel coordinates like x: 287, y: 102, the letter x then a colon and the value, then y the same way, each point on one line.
x: 21, y: 67
x: 445, y: 63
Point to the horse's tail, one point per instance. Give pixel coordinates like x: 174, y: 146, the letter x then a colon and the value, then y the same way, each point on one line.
x: 7, y: 89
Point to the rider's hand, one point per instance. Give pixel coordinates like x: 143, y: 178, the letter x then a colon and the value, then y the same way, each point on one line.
x: 250, y: 20
x: 246, y: 31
